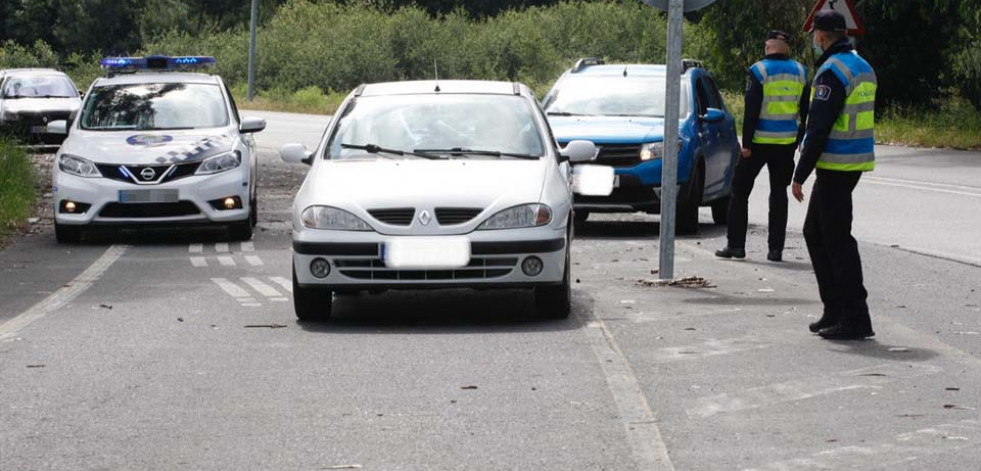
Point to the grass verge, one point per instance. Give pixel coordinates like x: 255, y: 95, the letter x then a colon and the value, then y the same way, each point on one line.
x: 16, y: 187
x: 309, y: 100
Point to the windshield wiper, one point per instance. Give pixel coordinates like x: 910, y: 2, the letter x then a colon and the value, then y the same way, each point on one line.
x: 465, y: 151
x: 566, y: 113
x: 373, y: 149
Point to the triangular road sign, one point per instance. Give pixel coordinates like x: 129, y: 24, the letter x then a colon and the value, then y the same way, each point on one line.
x: 846, y: 8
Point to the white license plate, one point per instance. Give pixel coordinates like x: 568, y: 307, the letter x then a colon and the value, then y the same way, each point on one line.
x: 39, y: 129
x: 594, y: 180
x: 148, y: 196
x: 426, y: 252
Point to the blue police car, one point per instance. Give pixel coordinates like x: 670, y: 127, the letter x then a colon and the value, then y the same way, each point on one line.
x: 620, y: 108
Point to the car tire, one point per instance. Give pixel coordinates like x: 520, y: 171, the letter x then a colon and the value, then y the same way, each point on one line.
x: 720, y: 211
x: 311, y: 304
x: 254, y: 212
x: 691, y: 191
x: 68, y: 234
x: 555, y: 302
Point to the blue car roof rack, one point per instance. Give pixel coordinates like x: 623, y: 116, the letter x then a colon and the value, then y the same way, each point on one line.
x: 586, y: 62
x: 130, y: 65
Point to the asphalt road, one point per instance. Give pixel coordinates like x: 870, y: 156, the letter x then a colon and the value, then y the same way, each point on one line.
x: 179, y: 349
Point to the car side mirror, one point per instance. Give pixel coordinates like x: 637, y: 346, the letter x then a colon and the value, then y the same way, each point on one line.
x: 713, y: 115
x: 296, y: 154
x: 81, y: 94
x: 59, y: 127
x: 250, y: 125
x: 579, y: 151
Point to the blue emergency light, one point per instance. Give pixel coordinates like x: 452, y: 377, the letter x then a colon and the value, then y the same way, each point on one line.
x: 119, y: 65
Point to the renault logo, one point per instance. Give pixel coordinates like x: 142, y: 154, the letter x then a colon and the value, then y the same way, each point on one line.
x: 148, y: 173
x: 425, y: 218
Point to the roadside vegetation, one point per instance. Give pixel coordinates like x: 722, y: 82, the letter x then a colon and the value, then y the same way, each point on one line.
x: 16, y: 187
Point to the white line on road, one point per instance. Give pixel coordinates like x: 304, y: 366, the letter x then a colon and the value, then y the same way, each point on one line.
x: 262, y: 288
x: 254, y: 260
x: 917, y: 187
x: 639, y: 422
x: 226, y: 260
x: 64, y: 295
x: 806, y: 388
x: 195, y: 248
x: 199, y: 261
x: 914, y: 182
x: 232, y: 289
x: 221, y: 247
x: 286, y: 284
x: 248, y: 247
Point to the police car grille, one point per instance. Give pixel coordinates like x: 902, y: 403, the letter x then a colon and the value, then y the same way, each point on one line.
x: 452, y: 216
x: 618, y: 155
x: 115, y: 172
x: 394, y: 216
x: 374, y: 269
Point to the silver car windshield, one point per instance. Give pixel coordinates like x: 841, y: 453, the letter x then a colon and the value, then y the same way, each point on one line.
x: 612, y: 96
x: 156, y: 106
x: 39, y: 87
x: 448, y: 125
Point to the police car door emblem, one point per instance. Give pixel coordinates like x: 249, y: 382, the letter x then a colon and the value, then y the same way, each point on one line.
x: 425, y: 218
x: 148, y: 173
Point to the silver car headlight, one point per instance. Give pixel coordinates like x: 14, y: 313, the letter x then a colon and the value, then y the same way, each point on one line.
x: 219, y: 163
x: 654, y: 151
x: 526, y: 215
x: 333, y: 219
x: 78, y: 166
x: 9, y: 116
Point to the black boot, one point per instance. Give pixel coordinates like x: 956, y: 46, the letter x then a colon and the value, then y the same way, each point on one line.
x: 731, y: 253
x: 775, y: 255
x: 840, y: 332
x: 828, y: 319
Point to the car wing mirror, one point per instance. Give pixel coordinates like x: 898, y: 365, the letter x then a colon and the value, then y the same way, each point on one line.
x: 296, y: 154
x: 713, y: 115
x: 579, y: 151
x: 59, y: 127
x: 250, y: 125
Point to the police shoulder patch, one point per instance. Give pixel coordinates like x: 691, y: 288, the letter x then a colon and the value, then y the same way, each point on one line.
x: 822, y: 92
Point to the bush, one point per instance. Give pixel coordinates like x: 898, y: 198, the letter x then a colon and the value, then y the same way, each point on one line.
x: 16, y: 186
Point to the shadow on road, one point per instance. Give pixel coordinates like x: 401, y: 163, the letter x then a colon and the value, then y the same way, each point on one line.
x: 637, y: 227
x: 156, y: 236
x: 873, y: 349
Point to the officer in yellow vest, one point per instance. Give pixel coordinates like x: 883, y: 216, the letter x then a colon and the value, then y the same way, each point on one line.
x: 840, y: 144
x: 775, y: 99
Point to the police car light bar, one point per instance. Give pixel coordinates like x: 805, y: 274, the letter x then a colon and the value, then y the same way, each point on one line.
x: 118, y: 65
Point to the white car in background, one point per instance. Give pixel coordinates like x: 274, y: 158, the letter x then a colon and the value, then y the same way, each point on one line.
x: 32, y: 98
x: 155, y: 146
x: 450, y: 184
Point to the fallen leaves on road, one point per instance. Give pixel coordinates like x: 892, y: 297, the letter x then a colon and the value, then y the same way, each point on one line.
x: 689, y: 282
x: 106, y: 306
x: 180, y: 319
x: 468, y: 387
x: 265, y: 326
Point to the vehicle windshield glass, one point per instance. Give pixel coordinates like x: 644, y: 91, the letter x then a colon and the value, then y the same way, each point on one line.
x: 154, y: 106
x: 39, y: 87
x: 492, y: 123
x: 612, y: 96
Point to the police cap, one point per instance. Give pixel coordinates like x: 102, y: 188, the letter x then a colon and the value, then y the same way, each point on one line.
x: 829, y: 20
x: 777, y: 34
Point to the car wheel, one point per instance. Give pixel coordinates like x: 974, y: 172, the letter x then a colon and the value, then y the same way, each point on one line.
x: 555, y: 302
x: 720, y: 211
x: 68, y: 234
x: 687, y: 213
x: 311, y: 304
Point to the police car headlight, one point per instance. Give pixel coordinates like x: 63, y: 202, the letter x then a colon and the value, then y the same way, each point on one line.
x: 219, y: 163
x: 332, y: 219
x: 527, y: 215
x: 78, y: 166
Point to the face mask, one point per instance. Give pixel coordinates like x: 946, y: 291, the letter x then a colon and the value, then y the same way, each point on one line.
x: 817, y: 48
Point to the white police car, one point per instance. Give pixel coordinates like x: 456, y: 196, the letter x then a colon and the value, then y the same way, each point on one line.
x: 156, y: 145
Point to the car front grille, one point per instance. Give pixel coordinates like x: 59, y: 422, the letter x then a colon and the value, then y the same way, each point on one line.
x: 617, y: 155
x: 453, y: 216
x: 117, y: 172
x: 479, y: 268
x: 394, y: 216
x: 149, y: 210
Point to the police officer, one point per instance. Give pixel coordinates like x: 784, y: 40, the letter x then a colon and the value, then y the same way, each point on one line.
x: 775, y: 98
x: 839, y: 144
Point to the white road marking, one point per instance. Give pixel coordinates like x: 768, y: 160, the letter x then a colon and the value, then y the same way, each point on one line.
x: 286, y: 284
x: 254, y: 260
x: 279, y: 299
x: 914, y: 182
x: 922, y: 188
x: 806, y: 388
x: 195, y: 248
x: 199, y: 261
x: 639, y: 422
x: 221, y: 247
x: 903, y: 449
x: 248, y: 247
x: 710, y: 348
x: 232, y: 289
x: 226, y: 260
x: 65, y: 294
x: 262, y: 288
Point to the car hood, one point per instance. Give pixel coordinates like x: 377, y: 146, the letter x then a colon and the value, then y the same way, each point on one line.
x: 41, y: 105
x: 607, y: 129
x: 148, y: 148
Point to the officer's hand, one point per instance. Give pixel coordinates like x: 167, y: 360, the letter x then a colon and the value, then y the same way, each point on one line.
x: 747, y: 153
x: 798, y: 190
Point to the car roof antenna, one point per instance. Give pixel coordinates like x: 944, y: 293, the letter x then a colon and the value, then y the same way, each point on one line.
x: 436, y: 74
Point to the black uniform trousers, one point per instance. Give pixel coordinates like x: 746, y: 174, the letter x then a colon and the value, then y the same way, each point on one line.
x: 779, y: 160
x: 833, y: 250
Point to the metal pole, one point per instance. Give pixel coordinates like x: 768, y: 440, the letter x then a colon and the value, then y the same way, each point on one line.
x: 252, y: 28
x: 669, y: 165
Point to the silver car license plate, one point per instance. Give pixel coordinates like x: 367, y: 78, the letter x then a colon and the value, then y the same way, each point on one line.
x: 39, y: 129
x: 148, y: 196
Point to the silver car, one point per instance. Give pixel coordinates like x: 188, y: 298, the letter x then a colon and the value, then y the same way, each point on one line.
x: 450, y: 184
x: 32, y: 98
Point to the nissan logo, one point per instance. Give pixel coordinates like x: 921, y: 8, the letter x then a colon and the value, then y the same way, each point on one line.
x: 148, y: 173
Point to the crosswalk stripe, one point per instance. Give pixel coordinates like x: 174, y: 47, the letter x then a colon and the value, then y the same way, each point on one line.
x: 286, y: 284
x: 221, y: 247
x: 254, y: 260
x: 232, y: 289
x: 195, y: 248
x: 262, y: 288
x: 248, y: 247
x: 199, y: 261
x: 226, y: 261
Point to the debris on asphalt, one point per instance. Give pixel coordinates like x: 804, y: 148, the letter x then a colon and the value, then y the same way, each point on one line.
x: 873, y: 374
x: 468, y: 387
x: 106, y: 306
x: 180, y: 319
x: 689, y: 282
x: 898, y: 349
x: 952, y: 389
x: 39, y: 365
x: 33, y: 220
x: 690, y: 328
x: 767, y: 290
x: 265, y: 326
x: 954, y: 406
x: 967, y: 333
x: 627, y: 301
x: 344, y: 466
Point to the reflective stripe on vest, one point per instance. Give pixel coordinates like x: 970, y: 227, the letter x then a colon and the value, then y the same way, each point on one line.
x: 783, y: 84
x: 851, y: 144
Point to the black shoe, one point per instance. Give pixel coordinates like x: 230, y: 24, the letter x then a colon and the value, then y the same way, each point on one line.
x: 822, y: 323
x: 731, y: 253
x: 839, y: 332
x: 775, y: 256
